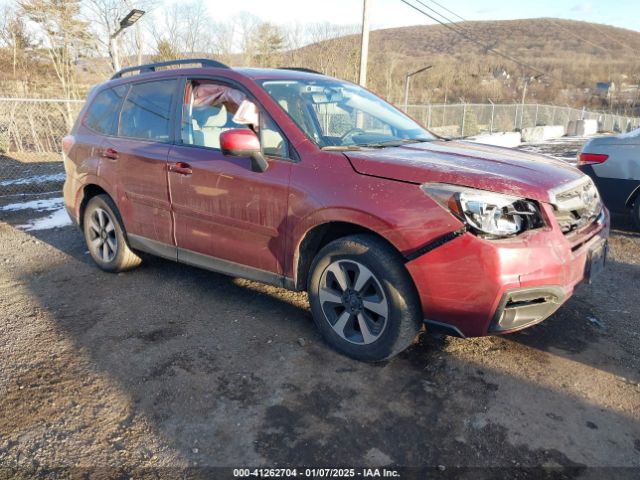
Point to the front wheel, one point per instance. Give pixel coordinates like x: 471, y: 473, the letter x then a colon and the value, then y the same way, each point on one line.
x: 363, y: 299
x: 105, y: 236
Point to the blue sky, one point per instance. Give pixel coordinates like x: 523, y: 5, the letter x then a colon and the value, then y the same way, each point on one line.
x: 392, y: 13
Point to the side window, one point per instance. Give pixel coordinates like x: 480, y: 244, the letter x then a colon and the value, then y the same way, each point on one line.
x: 291, y: 102
x: 210, y: 109
x: 146, y: 112
x: 102, y: 116
x: 274, y: 144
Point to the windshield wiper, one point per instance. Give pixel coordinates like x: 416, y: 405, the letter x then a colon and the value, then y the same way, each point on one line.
x: 393, y: 143
x: 390, y: 143
x: 342, y: 147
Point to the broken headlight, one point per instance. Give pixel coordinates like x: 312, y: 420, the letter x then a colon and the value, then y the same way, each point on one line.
x: 487, y: 214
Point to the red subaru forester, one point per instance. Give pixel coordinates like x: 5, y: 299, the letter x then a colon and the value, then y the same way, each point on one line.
x: 307, y: 182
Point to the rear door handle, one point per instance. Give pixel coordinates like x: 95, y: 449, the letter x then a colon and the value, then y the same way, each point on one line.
x: 181, y: 168
x: 109, y: 153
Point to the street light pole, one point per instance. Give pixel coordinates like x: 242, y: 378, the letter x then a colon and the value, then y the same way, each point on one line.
x: 407, y: 78
x: 364, y: 44
x: 131, y: 18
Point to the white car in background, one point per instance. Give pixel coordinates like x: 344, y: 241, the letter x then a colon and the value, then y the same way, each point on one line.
x: 614, y: 165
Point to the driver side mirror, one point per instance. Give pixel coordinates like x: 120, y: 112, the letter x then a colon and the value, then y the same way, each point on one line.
x: 241, y: 142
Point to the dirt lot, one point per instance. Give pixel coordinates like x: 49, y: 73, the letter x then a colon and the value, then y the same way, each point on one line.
x: 173, y: 367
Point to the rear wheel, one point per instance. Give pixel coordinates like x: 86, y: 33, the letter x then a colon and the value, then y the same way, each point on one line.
x: 363, y: 299
x: 105, y: 236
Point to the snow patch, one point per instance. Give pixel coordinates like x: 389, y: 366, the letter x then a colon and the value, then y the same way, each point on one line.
x: 59, y: 218
x: 540, y: 150
x: 556, y: 141
x: 499, y: 139
x: 53, y: 177
x: 38, y: 205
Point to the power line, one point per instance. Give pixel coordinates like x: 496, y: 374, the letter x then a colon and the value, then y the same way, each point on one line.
x: 448, y: 20
x: 446, y: 9
x: 624, y: 45
x: 461, y: 26
x: 606, y: 50
x: 570, y: 32
x: 473, y: 39
x: 458, y: 25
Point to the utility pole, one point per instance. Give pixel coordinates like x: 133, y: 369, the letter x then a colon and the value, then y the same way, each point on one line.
x: 364, y: 45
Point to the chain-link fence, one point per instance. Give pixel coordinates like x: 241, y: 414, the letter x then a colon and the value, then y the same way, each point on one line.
x: 31, y: 132
x: 464, y: 120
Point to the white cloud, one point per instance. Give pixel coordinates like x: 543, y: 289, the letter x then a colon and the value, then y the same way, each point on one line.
x: 584, y: 8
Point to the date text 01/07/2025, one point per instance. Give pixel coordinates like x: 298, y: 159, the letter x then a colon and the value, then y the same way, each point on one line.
x: 315, y: 473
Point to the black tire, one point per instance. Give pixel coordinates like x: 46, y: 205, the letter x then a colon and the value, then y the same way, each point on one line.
x: 389, y: 285
x: 635, y: 212
x: 107, y: 246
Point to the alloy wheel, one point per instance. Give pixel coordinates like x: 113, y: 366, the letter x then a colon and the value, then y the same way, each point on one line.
x: 102, y: 235
x: 353, y: 302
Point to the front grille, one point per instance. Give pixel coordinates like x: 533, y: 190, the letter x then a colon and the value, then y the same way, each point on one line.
x: 576, y: 205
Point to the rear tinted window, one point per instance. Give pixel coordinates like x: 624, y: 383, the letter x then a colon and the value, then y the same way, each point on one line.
x: 146, y: 111
x: 102, y: 116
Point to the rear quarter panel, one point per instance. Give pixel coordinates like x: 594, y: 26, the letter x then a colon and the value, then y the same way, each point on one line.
x: 82, y: 167
x: 618, y: 179
x: 624, y: 158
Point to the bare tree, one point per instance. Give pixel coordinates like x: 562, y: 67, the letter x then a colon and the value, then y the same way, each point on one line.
x: 63, y: 36
x: 195, y: 28
x: 331, y: 49
x: 222, y: 42
x: 267, y: 42
x: 14, y: 35
x: 245, y: 25
x: 183, y: 29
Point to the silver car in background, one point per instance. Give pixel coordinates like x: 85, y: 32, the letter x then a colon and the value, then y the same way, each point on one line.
x: 613, y: 163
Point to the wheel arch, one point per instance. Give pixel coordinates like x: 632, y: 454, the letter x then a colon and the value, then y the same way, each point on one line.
x: 633, y: 197
x: 316, y: 237
x: 89, y: 191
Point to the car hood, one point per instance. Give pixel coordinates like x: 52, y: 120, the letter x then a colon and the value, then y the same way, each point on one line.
x: 496, y: 169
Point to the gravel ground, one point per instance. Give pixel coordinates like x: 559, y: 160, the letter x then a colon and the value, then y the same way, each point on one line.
x: 167, y: 369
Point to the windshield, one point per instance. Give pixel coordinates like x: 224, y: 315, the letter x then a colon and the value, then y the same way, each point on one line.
x: 337, y: 114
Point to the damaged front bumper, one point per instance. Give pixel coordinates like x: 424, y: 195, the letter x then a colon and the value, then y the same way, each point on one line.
x: 472, y: 287
x: 522, y: 307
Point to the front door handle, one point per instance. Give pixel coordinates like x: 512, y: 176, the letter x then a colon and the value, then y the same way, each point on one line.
x: 110, y: 153
x: 181, y: 168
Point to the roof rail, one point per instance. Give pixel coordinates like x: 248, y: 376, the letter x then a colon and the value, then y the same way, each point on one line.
x: 151, y: 67
x: 301, y: 69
